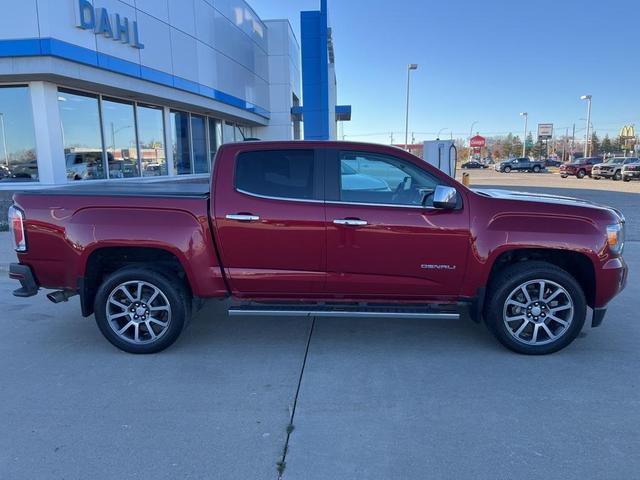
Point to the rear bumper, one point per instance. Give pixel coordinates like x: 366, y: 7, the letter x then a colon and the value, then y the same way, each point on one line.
x: 24, y: 275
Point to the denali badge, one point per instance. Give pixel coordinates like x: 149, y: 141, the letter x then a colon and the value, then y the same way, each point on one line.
x: 430, y: 266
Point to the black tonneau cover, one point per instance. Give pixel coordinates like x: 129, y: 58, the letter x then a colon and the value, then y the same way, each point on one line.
x: 170, y: 188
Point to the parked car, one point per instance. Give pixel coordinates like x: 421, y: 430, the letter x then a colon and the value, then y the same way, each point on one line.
x: 521, y: 164
x: 279, y: 232
x: 631, y: 171
x: 612, y: 168
x: 552, y: 162
x: 580, y: 167
x: 474, y: 164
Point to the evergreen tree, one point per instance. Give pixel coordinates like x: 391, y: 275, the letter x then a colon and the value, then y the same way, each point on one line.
x: 607, y: 146
x: 530, y: 145
x: 595, y: 144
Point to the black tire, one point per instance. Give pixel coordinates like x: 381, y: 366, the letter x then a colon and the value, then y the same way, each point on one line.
x: 626, y: 179
x: 173, y: 292
x: 507, y: 169
x: 564, y: 176
x: 617, y: 176
x: 581, y: 174
x: 508, y: 280
x: 536, y: 169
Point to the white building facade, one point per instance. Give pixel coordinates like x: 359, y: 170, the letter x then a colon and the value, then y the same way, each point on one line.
x: 138, y: 89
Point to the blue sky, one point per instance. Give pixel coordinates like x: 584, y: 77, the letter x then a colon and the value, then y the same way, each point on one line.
x: 480, y: 60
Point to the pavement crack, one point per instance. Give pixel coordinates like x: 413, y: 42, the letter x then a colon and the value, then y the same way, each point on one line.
x: 282, y: 463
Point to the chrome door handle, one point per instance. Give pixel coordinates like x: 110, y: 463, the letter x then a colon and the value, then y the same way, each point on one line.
x: 350, y: 221
x: 243, y: 217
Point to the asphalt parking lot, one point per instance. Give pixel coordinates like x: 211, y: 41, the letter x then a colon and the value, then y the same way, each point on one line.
x: 373, y: 399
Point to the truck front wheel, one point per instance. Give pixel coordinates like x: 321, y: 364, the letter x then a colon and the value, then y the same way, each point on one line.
x: 140, y: 310
x: 535, y: 308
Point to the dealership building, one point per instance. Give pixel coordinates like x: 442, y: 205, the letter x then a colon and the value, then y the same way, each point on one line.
x: 149, y: 89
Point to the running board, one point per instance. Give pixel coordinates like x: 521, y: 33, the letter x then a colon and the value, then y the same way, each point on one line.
x: 343, y: 311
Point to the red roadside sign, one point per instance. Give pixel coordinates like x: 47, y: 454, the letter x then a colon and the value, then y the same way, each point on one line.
x: 478, y: 141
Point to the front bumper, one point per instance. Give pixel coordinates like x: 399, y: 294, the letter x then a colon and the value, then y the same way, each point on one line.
x: 631, y: 174
x: 24, y: 275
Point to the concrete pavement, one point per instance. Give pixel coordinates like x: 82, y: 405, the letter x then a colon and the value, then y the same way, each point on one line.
x: 377, y: 398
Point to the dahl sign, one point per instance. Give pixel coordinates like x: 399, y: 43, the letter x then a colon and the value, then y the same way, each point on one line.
x: 111, y: 26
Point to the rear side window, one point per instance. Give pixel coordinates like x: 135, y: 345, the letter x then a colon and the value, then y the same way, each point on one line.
x: 277, y: 173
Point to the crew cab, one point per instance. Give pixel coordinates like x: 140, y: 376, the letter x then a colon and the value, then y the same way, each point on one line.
x: 319, y: 229
x: 612, y: 168
x: 580, y: 167
x: 521, y: 164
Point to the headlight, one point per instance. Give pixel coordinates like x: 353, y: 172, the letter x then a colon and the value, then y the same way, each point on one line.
x: 615, y: 238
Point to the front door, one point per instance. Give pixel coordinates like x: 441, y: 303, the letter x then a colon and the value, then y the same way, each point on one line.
x: 384, y: 240
x: 270, y: 222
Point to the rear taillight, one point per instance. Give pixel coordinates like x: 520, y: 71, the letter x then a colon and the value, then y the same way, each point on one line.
x: 16, y: 224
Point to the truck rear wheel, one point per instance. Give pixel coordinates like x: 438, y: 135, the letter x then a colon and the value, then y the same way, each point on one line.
x: 536, y: 169
x: 535, y: 308
x: 140, y: 310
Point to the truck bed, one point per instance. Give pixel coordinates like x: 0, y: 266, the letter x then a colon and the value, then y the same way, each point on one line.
x: 170, y: 188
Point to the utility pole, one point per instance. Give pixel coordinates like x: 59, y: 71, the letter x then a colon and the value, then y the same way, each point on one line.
x: 391, y: 137
x: 586, y: 143
x: 564, y: 143
x: 4, y: 140
x: 411, y: 66
x: 573, y: 141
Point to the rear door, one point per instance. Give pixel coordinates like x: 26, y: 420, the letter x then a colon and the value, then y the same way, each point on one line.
x: 270, y: 221
x: 382, y: 243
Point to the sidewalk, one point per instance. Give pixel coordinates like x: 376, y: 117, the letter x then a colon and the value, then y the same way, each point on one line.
x: 7, y: 255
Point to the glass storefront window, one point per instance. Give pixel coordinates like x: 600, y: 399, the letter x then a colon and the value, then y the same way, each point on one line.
x: 151, y: 139
x: 18, y: 161
x: 215, y: 138
x: 199, y: 142
x: 81, y: 135
x: 120, y: 138
x: 181, y: 143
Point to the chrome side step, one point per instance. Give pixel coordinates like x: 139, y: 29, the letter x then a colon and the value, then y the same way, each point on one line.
x: 343, y: 311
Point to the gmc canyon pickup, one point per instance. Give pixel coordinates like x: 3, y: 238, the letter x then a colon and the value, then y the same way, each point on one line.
x: 320, y: 229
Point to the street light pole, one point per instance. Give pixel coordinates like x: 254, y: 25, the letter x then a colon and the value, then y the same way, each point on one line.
x: 586, y: 143
x: 439, y: 132
x: 411, y: 66
x: 524, y: 139
x: 4, y: 140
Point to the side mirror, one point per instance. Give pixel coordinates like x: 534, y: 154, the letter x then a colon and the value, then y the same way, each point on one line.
x: 445, y: 197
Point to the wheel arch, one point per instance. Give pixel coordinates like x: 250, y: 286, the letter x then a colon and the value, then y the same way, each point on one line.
x: 103, y: 261
x: 577, y: 264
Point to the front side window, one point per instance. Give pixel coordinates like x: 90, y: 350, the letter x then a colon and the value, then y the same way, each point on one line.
x: 17, y: 138
x: 382, y: 179
x: 81, y: 134
x: 120, y: 138
x: 277, y: 173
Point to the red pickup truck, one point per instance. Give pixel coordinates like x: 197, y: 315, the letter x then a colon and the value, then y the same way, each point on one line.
x: 320, y: 229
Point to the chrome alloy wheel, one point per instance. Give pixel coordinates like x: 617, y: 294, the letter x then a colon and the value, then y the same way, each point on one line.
x: 138, y: 312
x: 538, y: 312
